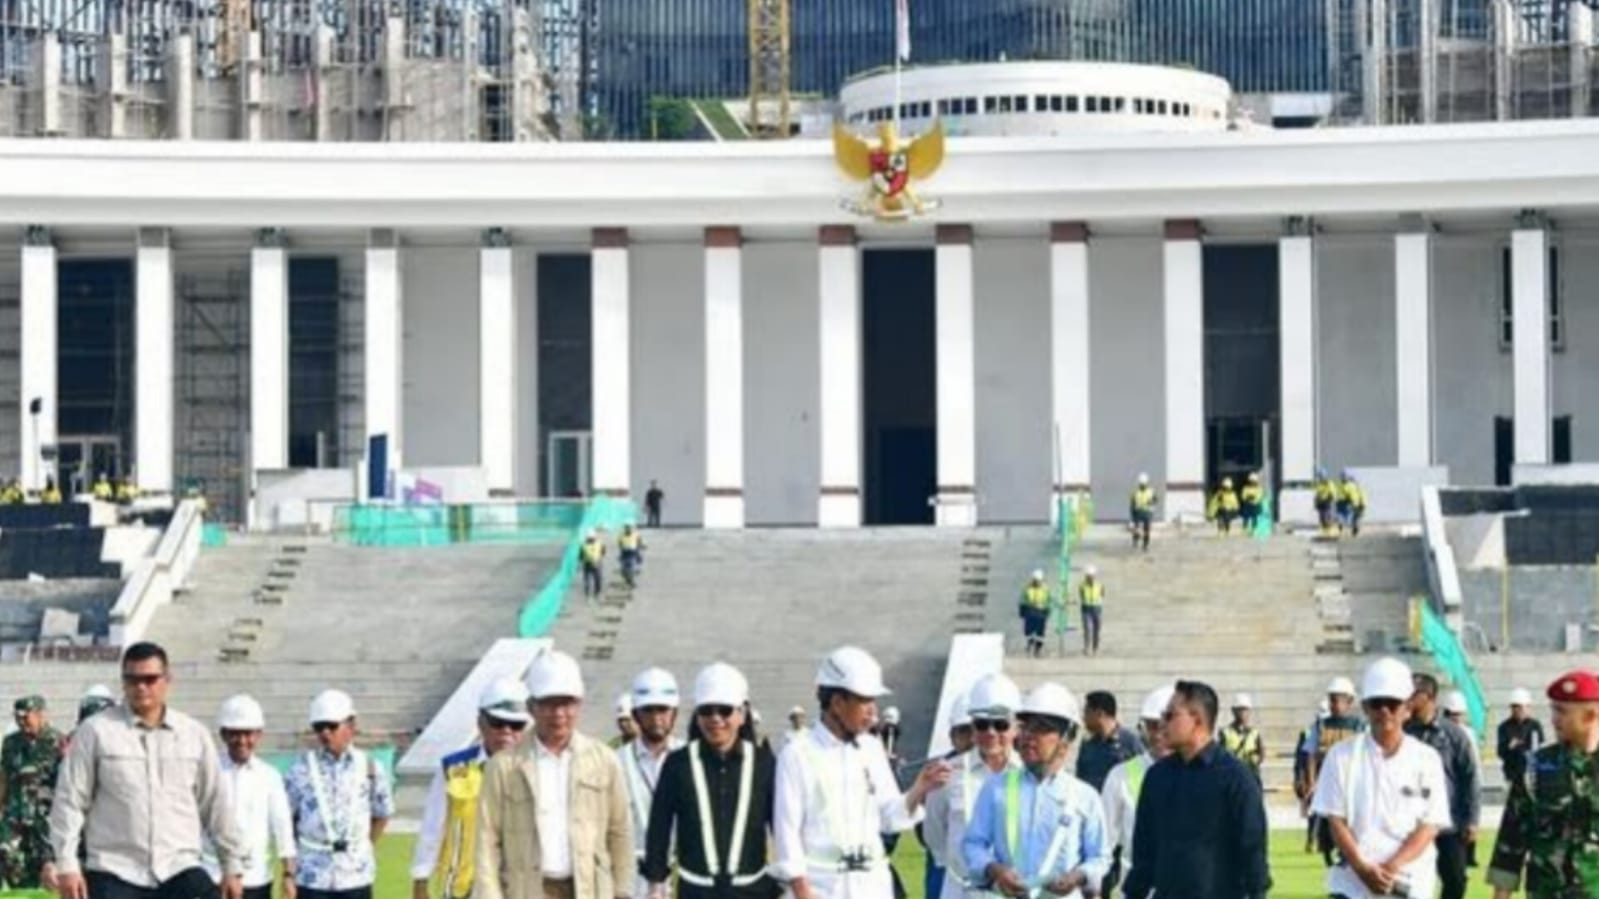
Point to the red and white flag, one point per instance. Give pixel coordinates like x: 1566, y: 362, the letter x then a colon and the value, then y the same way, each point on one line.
x: 902, y: 30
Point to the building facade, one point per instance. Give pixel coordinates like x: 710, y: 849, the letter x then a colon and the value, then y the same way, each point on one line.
x: 575, y: 317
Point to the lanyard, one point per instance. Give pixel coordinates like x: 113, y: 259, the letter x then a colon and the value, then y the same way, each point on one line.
x: 844, y: 837
x: 741, y: 813
x: 1013, y: 830
x: 639, y: 788
x: 335, y: 833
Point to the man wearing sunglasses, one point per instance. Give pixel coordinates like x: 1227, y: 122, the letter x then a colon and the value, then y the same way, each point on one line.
x: 442, y: 862
x: 990, y: 704
x: 655, y: 700
x: 260, y: 802
x: 1384, y: 797
x: 1125, y: 783
x: 142, y: 788
x: 1038, y: 830
x: 341, y: 801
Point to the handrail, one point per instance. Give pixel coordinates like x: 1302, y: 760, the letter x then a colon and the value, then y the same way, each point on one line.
x: 1443, y: 576
x: 157, y: 577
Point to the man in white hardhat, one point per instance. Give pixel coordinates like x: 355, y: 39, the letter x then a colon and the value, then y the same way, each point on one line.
x: 554, y: 817
x: 1091, y: 600
x: 991, y: 704
x: 1384, y: 797
x: 1520, y: 736
x: 626, y: 726
x: 796, y: 724
x: 260, y: 802
x: 1036, y: 602
x: 592, y: 556
x: 961, y: 741
x: 1141, y: 512
x: 1339, y: 724
x: 341, y: 801
x: 836, y: 794
x: 655, y: 702
x: 1125, y: 783
x: 1456, y: 708
x: 1241, y: 738
x: 714, y: 800
x: 442, y: 863
x: 1037, y: 829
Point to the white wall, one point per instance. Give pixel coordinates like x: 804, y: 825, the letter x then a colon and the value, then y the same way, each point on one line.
x: 525, y: 269
x: 1472, y: 376
x: 1127, y: 392
x: 782, y: 383
x: 668, y: 376
x: 10, y: 362
x: 1014, y: 433
x: 440, y: 394
x: 1576, y: 370
x: 1356, y: 387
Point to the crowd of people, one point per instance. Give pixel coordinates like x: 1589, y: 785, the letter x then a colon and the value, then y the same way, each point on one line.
x: 1340, y: 505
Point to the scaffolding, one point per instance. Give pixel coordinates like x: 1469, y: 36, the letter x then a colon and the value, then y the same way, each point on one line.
x: 213, y: 389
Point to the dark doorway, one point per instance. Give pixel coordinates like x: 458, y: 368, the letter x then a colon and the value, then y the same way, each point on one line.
x: 565, y: 379
x: 94, y: 368
x: 900, y: 405
x: 314, y: 338
x: 1505, y: 445
x: 1242, y: 381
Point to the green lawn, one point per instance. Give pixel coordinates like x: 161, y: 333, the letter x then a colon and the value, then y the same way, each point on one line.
x: 1297, y: 875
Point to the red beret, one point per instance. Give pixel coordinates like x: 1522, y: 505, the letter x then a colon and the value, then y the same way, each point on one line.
x: 1578, y: 686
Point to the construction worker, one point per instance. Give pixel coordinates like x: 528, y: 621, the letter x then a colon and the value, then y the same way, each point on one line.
x: 1250, y: 500
x: 713, y: 805
x: 260, y: 802
x: 836, y: 794
x: 1384, y: 797
x: 626, y: 727
x: 554, y: 812
x: 51, y: 494
x: 1034, y: 610
x: 1125, y: 784
x: 630, y: 552
x: 127, y: 490
x: 796, y: 724
x: 103, y: 490
x: 991, y: 703
x: 1520, y: 735
x: 1326, y: 496
x: 1339, y: 724
x: 342, y: 802
x: 1091, y: 599
x: 1241, y: 739
x: 1550, y: 828
x: 446, y: 845
x: 1302, y: 785
x: 1141, y: 511
x: 1456, y: 710
x: 655, y: 702
x: 1224, y: 506
x: 1351, y: 504
x: 95, y: 700
x: 10, y: 493
x: 962, y: 738
x: 30, y: 759
x: 1037, y: 828
x: 592, y: 555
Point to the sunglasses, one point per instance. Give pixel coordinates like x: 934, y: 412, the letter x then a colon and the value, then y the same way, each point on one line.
x: 1039, y: 727
x: 141, y: 680
x: 502, y: 724
x: 323, y: 727
x: 1384, y: 705
x: 715, y: 711
x: 983, y: 725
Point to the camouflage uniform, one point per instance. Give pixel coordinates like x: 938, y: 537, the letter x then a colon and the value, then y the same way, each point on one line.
x: 29, y: 766
x: 1551, y: 826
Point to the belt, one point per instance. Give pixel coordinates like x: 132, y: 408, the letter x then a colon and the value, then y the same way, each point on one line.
x: 701, y: 880
x: 845, y: 866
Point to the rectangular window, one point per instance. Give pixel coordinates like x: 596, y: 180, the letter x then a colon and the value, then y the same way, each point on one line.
x: 990, y: 104
x: 1121, y: 104
x: 1556, y: 301
x: 1160, y: 107
x: 971, y: 106
x: 1092, y: 105
x: 1138, y: 106
x: 1057, y: 103
x: 1004, y: 104
x: 927, y: 109
x: 1021, y: 102
x: 1072, y: 103
x: 1040, y: 103
x: 943, y: 107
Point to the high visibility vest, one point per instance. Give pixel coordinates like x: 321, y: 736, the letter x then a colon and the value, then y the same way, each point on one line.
x: 1144, y: 498
x: 1137, y: 766
x: 1242, y: 744
x: 1091, y: 593
x: 1251, y: 494
x: 1013, y: 830
x: 1353, y: 495
x: 713, y: 867
x: 463, y: 783
x: 1037, y: 596
x: 1226, y: 500
x: 102, y: 489
x: 628, y: 541
x: 593, y: 551
x: 1325, y: 491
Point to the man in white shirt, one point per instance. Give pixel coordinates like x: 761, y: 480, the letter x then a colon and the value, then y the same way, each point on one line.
x: 260, y: 802
x: 991, y: 703
x: 836, y: 794
x: 1125, y: 783
x: 655, y: 702
x: 1384, y: 797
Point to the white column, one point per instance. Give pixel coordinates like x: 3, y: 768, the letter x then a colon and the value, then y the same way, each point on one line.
x: 839, y: 262
x: 724, y: 378
x: 269, y: 353
x: 611, y: 396
x: 37, y: 387
x: 1068, y: 350
x: 1413, y: 344
x: 1184, y: 295
x: 1529, y: 290
x: 153, y: 361
x: 497, y: 362
x: 383, y: 348
x: 956, y: 504
x: 1296, y: 328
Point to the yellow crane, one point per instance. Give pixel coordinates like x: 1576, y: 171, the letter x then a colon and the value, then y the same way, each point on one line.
x: 770, y: 115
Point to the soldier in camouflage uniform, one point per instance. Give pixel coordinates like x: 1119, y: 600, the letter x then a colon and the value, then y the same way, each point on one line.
x: 29, y: 760
x: 1551, y: 823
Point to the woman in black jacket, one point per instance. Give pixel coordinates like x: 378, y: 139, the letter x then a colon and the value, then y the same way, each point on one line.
x: 714, y: 794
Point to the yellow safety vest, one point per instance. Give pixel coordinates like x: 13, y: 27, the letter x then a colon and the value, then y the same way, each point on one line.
x: 1242, y: 745
x: 1353, y: 495
x: 628, y: 541
x: 453, y: 871
x: 1325, y: 491
x: 1226, y: 500
x: 1252, y: 493
x: 1037, y: 596
x: 1144, y: 498
x: 102, y: 489
x: 1092, y: 593
x: 593, y: 551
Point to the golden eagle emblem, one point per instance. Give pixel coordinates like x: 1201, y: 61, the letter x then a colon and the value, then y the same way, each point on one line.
x: 888, y: 167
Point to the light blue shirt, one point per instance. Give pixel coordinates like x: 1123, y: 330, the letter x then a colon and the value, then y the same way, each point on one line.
x: 1061, y: 805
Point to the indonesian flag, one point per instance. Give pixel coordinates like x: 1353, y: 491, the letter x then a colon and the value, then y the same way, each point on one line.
x: 902, y: 30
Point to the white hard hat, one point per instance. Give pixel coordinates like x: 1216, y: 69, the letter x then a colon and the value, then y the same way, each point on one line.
x: 721, y: 684
x: 1455, y: 702
x: 1038, y: 574
x: 1243, y: 701
x: 99, y: 691
x: 624, y: 704
x: 796, y: 712
x: 655, y: 687
x: 505, y: 699
x: 854, y: 670
x: 554, y: 674
x: 332, y: 706
x: 1091, y: 571
x: 1521, y: 696
x: 1387, y: 679
x: 1143, y: 478
x: 1155, y: 704
x: 960, y: 711
x: 1343, y: 686
x: 240, y: 713
x: 1052, y: 700
x: 891, y: 715
x: 993, y: 696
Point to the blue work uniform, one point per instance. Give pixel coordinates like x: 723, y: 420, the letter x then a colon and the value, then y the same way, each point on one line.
x: 1059, y: 825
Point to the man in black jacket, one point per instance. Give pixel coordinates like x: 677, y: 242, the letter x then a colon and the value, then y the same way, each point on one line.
x: 1454, y: 745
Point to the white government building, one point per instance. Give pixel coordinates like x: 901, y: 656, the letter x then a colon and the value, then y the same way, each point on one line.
x: 562, y: 317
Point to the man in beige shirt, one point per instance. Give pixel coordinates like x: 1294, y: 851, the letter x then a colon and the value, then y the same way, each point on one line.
x: 140, y: 789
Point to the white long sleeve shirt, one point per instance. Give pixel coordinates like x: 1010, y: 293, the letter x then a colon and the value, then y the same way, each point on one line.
x: 1383, y: 799
x: 1121, y: 805
x: 641, y: 771
x: 836, y: 798
x: 261, y: 814
x: 949, y: 810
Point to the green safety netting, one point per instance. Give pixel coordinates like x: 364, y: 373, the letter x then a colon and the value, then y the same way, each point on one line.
x: 212, y: 534
x: 1452, y: 661
x: 438, y: 524
x: 605, y: 515
x: 384, y: 756
x: 1263, y: 525
x: 1072, y: 516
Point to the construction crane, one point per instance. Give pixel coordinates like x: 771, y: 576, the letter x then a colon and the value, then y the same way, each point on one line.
x: 770, y: 113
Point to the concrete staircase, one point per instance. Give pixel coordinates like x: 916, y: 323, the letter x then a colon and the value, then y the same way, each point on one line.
x: 1381, y: 574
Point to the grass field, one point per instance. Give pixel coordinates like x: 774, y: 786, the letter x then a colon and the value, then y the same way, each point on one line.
x: 1297, y: 875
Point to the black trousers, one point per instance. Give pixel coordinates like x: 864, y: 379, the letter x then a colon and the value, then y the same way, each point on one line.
x: 191, y: 884
x: 357, y: 893
x: 1452, y: 864
x: 261, y: 892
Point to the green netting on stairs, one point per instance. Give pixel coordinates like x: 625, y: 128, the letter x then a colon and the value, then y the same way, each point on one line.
x: 604, y: 515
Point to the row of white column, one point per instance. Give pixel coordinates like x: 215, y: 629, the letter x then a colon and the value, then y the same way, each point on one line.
x: 839, y: 304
